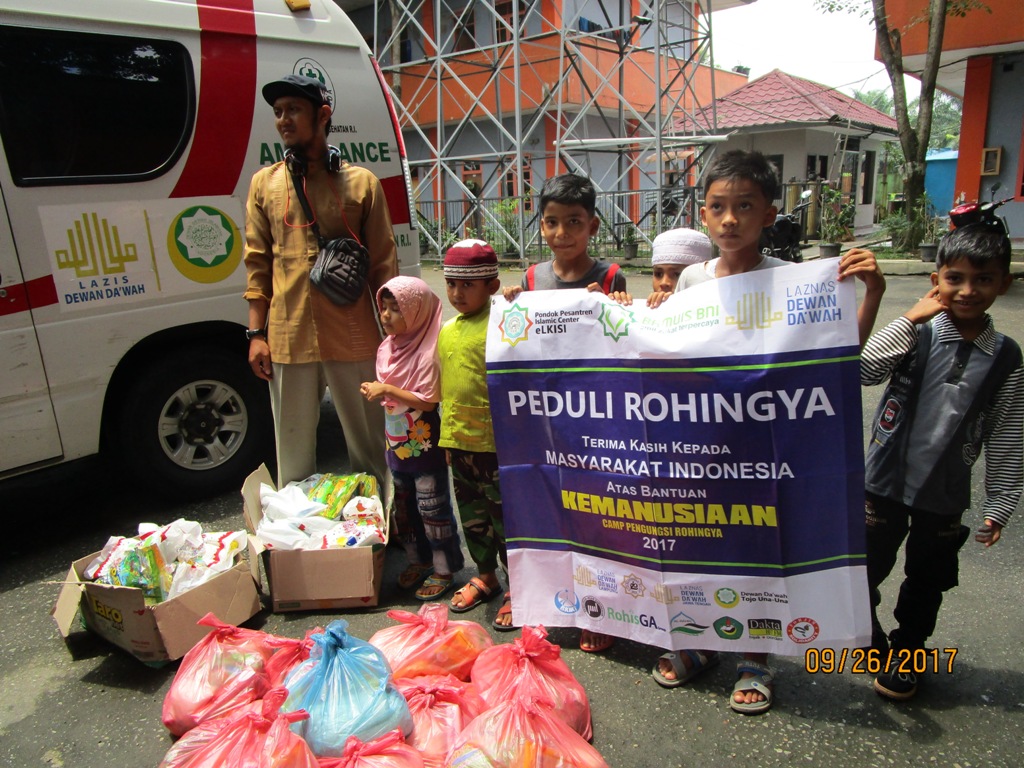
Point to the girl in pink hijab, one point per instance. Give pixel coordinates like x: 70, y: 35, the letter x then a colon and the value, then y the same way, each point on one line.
x: 408, y: 386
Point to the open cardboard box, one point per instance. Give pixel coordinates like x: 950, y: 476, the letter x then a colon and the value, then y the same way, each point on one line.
x: 311, y: 579
x: 154, y: 633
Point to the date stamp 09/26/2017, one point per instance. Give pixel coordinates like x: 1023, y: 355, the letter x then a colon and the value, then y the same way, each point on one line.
x: 871, y: 661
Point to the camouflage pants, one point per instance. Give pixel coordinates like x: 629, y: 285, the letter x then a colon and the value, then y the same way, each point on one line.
x: 478, y: 496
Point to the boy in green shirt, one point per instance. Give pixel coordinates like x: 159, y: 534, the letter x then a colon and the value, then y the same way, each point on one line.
x: 471, y: 278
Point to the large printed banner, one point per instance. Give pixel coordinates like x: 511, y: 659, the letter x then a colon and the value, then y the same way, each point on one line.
x: 689, y: 476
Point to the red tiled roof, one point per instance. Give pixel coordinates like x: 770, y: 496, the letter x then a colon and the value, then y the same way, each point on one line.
x: 779, y: 99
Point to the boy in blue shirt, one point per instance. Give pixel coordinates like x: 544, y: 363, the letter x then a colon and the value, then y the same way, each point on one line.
x: 955, y: 386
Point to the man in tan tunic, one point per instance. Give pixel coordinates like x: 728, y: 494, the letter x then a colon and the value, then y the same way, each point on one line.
x: 299, y: 341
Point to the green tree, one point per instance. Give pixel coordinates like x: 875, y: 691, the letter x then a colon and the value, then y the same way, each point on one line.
x: 914, y: 130
x: 947, y: 113
x: 880, y: 99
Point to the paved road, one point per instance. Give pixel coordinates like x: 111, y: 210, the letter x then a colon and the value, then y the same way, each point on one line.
x: 88, y: 705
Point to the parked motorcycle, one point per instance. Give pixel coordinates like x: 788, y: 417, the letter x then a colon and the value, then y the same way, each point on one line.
x: 782, y: 239
x: 973, y: 213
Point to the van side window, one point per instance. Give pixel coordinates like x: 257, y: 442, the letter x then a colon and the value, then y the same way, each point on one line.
x: 79, y: 108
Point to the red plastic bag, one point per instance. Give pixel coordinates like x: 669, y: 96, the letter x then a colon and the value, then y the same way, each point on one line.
x: 289, y: 654
x: 427, y: 643
x: 247, y: 740
x: 221, y: 673
x: 206, y: 732
x: 533, y: 667
x: 441, y: 706
x: 522, y: 733
x: 387, y: 751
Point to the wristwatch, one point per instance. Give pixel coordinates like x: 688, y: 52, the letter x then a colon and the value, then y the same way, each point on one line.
x: 251, y: 333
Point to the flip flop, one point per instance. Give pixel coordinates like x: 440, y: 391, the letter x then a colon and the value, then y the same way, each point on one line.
x: 700, y: 662
x: 505, y: 610
x: 761, y: 683
x: 413, y: 575
x: 445, y: 582
x: 607, y: 642
x: 483, y: 595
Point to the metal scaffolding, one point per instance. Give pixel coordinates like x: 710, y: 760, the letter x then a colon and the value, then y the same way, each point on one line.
x: 489, y: 92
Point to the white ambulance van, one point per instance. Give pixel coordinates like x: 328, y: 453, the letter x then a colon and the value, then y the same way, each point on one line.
x: 130, y: 131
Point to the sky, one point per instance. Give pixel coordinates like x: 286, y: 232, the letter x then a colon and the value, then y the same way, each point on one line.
x: 835, y: 49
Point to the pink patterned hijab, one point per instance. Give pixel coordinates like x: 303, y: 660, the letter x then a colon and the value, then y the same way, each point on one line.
x: 409, y: 360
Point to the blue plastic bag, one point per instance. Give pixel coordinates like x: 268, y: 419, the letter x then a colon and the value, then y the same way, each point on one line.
x: 346, y: 688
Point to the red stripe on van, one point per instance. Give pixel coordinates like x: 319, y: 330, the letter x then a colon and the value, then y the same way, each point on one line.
x: 41, y: 292
x: 227, y: 94
x: 398, y: 199
x: 34, y: 294
x: 15, y: 301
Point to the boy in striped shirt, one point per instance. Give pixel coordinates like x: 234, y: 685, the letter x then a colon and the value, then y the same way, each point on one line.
x: 955, y: 386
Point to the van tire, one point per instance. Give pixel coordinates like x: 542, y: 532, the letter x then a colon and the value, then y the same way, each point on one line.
x: 193, y: 424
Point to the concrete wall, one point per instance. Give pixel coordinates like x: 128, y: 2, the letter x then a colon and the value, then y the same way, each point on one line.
x: 1006, y: 116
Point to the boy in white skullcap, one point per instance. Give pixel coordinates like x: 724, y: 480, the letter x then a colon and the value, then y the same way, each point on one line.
x: 671, y: 253
x: 674, y: 250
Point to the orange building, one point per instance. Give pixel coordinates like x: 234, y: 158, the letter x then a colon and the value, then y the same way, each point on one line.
x: 498, y: 96
x: 982, y: 63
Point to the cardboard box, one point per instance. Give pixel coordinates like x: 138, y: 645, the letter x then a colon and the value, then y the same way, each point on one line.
x: 311, y: 579
x: 154, y: 633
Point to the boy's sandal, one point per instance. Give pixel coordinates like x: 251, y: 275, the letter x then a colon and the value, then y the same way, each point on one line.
x: 761, y: 683
x: 700, y: 662
x: 481, y: 594
x: 432, y: 582
x: 413, y: 575
x: 603, y: 644
x: 505, y: 610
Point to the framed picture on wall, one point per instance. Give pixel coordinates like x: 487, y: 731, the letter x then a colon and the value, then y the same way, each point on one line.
x: 991, y: 158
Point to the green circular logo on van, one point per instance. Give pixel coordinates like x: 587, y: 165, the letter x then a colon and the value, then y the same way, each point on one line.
x: 204, y: 244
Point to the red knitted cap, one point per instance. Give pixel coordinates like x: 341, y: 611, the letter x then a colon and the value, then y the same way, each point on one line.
x: 471, y: 260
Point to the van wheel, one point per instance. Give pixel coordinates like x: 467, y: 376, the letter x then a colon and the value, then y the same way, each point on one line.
x: 194, y: 424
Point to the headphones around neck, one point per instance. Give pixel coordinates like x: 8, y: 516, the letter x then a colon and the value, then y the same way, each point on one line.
x: 295, y: 161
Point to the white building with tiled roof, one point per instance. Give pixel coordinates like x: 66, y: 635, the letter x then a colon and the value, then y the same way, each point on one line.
x: 811, y: 131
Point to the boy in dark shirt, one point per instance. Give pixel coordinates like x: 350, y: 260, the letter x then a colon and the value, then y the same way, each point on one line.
x: 955, y: 386
x: 568, y: 205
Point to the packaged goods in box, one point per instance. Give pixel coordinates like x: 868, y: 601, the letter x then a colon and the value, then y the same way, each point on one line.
x: 304, y: 579
x: 157, y: 632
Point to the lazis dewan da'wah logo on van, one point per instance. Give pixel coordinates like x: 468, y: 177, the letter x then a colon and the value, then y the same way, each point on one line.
x: 204, y: 244
x: 95, y: 248
x: 113, y: 253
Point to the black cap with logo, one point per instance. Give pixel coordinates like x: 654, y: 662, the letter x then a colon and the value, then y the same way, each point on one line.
x: 297, y: 85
